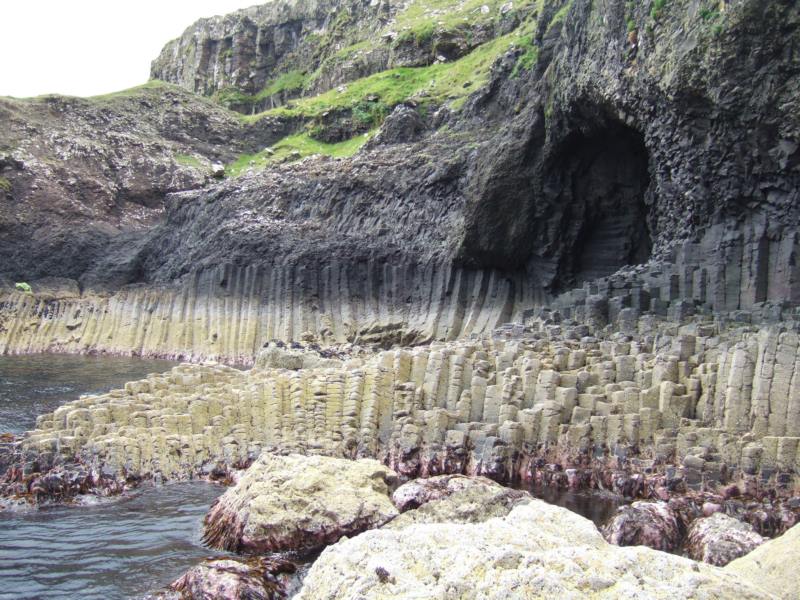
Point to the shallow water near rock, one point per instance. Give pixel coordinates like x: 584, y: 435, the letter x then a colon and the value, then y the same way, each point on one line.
x: 120, y: 549
x: 32, y: 385
x: 596, y: 506
x: 123, y: 548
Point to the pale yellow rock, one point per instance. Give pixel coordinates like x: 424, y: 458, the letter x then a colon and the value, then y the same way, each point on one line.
x: 300, y: 502
x: 773, y: 566
x: 536, y: 551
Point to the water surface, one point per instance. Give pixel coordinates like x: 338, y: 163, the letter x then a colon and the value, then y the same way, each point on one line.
x: 595, y: 505
x: 120, y: 549
x: 32, y: 385
x: 123, y: 548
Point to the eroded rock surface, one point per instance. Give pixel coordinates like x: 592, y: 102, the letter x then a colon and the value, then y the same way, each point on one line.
x: 453, y: 499
x: 651, y: 524
x: 773, y: 565
x: 537, y: 551
x: 719, y: 539
x: 258, y: 578
x: 300, y: 503
x: 660, y: 412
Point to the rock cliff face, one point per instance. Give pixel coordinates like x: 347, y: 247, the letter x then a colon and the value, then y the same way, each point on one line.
x: 250, y: 48
x: 264, y: 56
x: 84, y: 178
x: 608, y: 159
x: 647, y: 415
x: 610, y: 148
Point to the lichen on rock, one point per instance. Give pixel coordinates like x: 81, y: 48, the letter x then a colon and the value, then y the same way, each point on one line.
x: 300, y: 503
x: 536, y: 551
x: 773, y: 565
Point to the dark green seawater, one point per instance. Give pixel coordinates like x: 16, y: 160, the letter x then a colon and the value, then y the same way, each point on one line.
x: 123, y: 548
x: 39, y: 383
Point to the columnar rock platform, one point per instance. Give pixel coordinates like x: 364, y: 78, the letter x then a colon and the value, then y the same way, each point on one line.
x: 644, y: 407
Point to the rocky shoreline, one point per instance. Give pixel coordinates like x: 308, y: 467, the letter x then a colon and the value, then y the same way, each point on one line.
x: 466, y: 250
x: 413, y: 548
x: 669, y: 416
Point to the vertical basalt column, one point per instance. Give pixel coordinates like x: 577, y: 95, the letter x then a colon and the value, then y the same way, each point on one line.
x: 781, y: 390
x: 335, y: 406
x: 351, y: 413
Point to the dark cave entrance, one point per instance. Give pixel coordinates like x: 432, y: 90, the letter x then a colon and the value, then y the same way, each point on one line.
x: 604, y: 181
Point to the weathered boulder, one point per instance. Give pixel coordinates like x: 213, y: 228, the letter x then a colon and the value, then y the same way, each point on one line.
x: 453, y: 499
x: 300, y: 503
x: 651, y: 524
x: 719, y: 539
x: 536, y: 551
x: 259, y: 578
x: 773, y: 565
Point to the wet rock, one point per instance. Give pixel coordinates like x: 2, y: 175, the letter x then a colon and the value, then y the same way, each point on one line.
x: 258, y: 578
x: 300, y: 503
x: 536, y: 551
x: 651, y: 524
x: 453, y: 499
x: 719, y: 539
x: 773, y: 565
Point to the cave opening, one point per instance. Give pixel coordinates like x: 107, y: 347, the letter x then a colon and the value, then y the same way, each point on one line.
x: 603, y: 184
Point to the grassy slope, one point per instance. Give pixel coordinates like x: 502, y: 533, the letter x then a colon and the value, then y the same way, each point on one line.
x: 440, y: 83
x: 294, y: 147
x: 437, y: 84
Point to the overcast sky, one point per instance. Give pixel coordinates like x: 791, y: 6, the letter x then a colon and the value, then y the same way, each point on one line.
x: 90, y: 47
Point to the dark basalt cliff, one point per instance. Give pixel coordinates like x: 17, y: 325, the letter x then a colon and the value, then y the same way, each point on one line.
x: 80, y: 174
x: 614, y: 134
x: 608, y: 151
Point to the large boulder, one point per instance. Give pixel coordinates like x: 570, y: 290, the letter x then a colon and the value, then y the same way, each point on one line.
x: 536, y: 551
x: 300, y: 503
x: 453, y: 499
x: 651, y: 524
x: 258, y: 578
x: 719, y: 539
x: 773, y: 565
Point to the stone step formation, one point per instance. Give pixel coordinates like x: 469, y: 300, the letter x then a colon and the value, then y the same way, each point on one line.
x: 666, y: 407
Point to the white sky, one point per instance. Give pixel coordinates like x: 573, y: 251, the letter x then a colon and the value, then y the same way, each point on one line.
x: 90, y: 47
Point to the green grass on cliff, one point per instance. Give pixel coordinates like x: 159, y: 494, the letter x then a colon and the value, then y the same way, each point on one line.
x: 440, y: 83
x: 437, y: 83
x: 422, y: 16
x: 291, y: 81
x: 295, y: 147
x: 5, y: 185
x: 153, y: 84
x: 558, y: 17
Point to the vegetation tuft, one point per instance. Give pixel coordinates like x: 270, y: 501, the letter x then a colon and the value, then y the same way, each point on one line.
x: 657, y: 8
x: 561, y: 13
x: 291, y: 81
x: 294, y: 147
x: 528, y: 58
